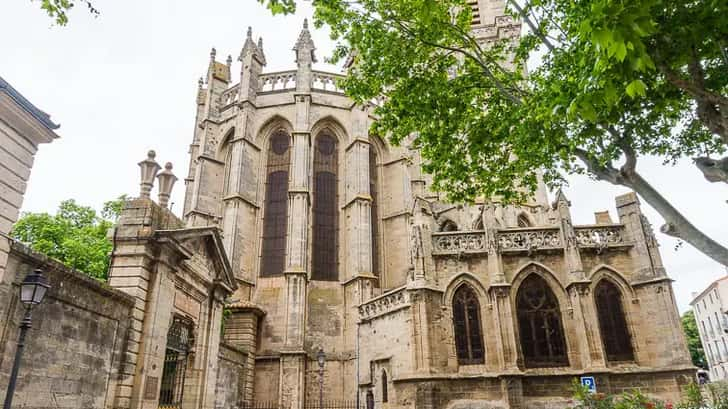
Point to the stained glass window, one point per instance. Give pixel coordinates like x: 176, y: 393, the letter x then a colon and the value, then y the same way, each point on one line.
x: 539, y: 320
x: 275, y: 216
x: 466, y: 320
x: 325, y: 211
x: 612, y: 323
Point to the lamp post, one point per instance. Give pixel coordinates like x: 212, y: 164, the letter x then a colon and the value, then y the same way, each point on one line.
x: 321, y: 358
x: 32, y: 290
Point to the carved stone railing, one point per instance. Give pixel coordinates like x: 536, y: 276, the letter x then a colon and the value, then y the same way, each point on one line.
x: 326, y: 81
x: 277, y: 81
x: 462, y: 242
x: 600, y: 236
x: 384, y: 304
x: 530, y: 239
x: 230, y: 96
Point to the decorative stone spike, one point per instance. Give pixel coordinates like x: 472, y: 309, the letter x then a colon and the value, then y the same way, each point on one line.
x: 200, y: 83
x: 250, y: 32
x: 229, y: 60
x: 166, y: 181
x: 149, y: 168
x: 213, y: 53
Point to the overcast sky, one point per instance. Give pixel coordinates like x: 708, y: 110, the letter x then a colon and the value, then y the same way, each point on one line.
x: 125, y: 82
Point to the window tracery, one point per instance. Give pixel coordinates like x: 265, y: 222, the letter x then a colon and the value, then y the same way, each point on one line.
x: 275, y: 217
x: 612, y: 322
x: 539, y: 320
x: 325, y: 212
x: 467, y: 327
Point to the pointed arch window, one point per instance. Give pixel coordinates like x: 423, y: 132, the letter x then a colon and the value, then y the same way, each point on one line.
x: 539, y: 320
x: 385, y: 386
x: 523, y: 221
x: 612, y: 322
x: 325, y: 212
x: 275, y: 217
x: 374, y: 193
x: 466, y: 320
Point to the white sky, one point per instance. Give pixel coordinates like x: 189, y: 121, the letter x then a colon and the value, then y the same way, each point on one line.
x: 125, y: 82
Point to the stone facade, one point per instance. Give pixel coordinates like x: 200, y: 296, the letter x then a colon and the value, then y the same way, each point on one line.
x: 388, y: 323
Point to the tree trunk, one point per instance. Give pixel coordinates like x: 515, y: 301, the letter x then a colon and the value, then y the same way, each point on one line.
x: 676, y: 224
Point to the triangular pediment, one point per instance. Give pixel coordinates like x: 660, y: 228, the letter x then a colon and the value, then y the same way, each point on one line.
x: 204, y: 246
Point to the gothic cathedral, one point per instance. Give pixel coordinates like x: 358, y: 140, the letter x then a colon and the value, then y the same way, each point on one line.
x: 337, y: 244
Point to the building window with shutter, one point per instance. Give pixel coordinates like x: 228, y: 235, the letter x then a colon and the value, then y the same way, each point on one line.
x: 539, y: 321
x: 466, y: 320
x: 612, y: 322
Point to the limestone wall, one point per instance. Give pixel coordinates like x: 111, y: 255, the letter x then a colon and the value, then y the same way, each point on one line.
x: 76, y: 342
x: 230, y: 378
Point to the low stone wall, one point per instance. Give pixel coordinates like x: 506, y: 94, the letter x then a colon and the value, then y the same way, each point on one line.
x: 74, y: 348
x: 230, y: 377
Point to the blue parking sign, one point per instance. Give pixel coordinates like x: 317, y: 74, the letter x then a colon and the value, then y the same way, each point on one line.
x: 590, y: 383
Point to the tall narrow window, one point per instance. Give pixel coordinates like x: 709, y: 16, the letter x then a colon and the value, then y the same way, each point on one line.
x: 226, y: 188
x: 175, y: 365
x: 325, y: 212
x: 612, y: 323
x: 385, y: 392
x: 374, y: 193
x: 539, y: 321
x: 275, y: 218
x: 466, y: 319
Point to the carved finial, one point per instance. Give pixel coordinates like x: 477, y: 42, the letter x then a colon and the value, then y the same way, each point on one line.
x: 304, y: 47
x: 260, y: 43
x: 200, y: 83
x: 561, y: 199
x: 149, y: 168
x: 229, y: 60
x: 213, y: 53
x: 166, y: 181
x: 250, y: 32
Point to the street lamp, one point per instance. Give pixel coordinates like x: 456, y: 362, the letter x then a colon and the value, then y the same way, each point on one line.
x: 32, y: 290
x: 321, y: 358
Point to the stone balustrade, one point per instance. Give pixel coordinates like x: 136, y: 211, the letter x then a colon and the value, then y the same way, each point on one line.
x: 277, y: 81
x: 600, y: 236
x: 326, y: 81
x: 384, y: 304
x: 529, y: 239
x: 230, y: 96
x: 459, y: 242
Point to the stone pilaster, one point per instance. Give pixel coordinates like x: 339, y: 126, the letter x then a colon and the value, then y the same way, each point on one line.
x: 584, y: 317
x: 575, y: 269
x: 503, y: 319
x: 495, y: 260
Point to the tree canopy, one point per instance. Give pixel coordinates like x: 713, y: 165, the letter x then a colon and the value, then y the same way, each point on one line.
x: 76, y: 235
x: 590, y: 86
x: 690, y: 328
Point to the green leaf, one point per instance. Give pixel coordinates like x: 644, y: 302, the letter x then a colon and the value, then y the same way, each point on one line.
x: 636, y: 88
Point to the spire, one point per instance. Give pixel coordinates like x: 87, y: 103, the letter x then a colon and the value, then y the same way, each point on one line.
x: 304, y: 47
x: 251, y: 49
x: 561, y: 199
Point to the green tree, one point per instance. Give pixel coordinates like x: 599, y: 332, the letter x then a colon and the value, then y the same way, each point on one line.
x: 690, y: 327
x: 58, y: 9
x: 614, y: 81
x: 76, y: 236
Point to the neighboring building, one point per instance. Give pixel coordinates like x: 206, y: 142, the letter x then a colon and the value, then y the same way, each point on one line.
x: 22, y: 128
x: 710, y: 310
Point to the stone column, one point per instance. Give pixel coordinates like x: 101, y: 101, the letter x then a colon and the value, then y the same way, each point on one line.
x: 293, y: 357
x: 587, y: 322
x: 504, y: 321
